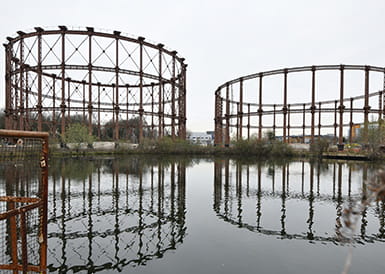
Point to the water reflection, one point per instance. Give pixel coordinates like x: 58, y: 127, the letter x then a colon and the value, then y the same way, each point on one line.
x: 295, y: 200
x: 114, y: 213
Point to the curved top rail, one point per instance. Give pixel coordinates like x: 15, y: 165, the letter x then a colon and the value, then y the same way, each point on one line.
x: 92, y: 32
x: 302, y: 69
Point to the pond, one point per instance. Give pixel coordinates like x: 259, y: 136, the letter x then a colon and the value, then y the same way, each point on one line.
x: 189, y: 215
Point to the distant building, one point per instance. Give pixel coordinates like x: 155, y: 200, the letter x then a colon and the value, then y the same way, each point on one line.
x: 201, y: 138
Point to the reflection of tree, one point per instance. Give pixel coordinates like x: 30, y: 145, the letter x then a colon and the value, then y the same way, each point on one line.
x: 235, y: 190
x: 120, y: 215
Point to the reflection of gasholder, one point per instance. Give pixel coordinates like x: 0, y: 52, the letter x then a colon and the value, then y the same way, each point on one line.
x: 271, y: 199
x: 119, y: 215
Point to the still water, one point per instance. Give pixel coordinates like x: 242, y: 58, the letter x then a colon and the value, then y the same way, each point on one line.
x: 178, y: 215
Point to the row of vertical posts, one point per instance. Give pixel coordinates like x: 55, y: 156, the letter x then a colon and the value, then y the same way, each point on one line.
x: 223, y: 123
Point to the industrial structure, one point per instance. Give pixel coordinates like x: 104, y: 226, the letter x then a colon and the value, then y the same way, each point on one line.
x: 117, y: 85
x: 245, y: 106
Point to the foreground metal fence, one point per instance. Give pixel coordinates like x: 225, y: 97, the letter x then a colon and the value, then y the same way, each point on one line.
x: 23, y: 201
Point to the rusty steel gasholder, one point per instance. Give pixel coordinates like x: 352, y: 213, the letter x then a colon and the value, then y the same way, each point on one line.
x: 118, y: 86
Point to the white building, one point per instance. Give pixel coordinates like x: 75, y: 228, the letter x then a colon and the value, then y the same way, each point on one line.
x: 201, y: 138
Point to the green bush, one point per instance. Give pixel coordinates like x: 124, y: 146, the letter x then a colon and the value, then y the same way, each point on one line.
x: 77, y: 133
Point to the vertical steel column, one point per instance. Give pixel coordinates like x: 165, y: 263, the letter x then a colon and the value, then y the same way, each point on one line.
x: 240, y: 110
x: 218, y: 118
x: 39, y: 84
x: 21, y: 86
x: 319, y: 120
x: 274, y: 118
x: 127, y: 101
x: 53, y: 104
x: 160, y: 105
x: 260, y: 107
x: 227, y: 132
x: 237, y: 125
x: 181, y: 102
x: 288, y: 123
x: 303, y: 122
x: 27, y: 90
x: 341, y: 107
x: 380, y: 106
x: 84, y: 102
x: 248, y: 121
x: 184, y: 101
x: 69, y: 99
x: 90, y: 107
x: 173, y: 78
x: 99, y: 133
x: 117, y: 34
x: 152, y: 111
x: 351, y: 122
x: 8, y: 68
x: 113, y: 111
x: 140, y: 39
x: 312, y: 108
x: 366, y: 106
x: 63, y: 104
x: 284, y: 109
x: 335, y: 120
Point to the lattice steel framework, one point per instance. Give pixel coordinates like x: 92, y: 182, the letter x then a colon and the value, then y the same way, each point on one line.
x: 117, y: 85
x: 345, y: 111
x: 23, y: 201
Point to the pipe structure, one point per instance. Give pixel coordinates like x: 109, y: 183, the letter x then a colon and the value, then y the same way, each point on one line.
x: 118, y: 86
x: 288, y: 115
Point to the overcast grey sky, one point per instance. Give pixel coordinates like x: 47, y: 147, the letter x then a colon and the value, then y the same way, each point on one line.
x: 222, y: 39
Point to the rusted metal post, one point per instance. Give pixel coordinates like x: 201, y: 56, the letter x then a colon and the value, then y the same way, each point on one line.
x: 335, y: 121
x: 173, y: 79
x: 260, y: 110
x: 99, y: 131
x: 84, y: 102
x: 248, y: 121
x: 22, y: 87
x: 288, y: 123
x: 140, y: 110
x: 237, y: 125
x: 116, y: 108
x: 24, y: 249
x: 39, y: 84
x: 303, y: 122
x: 152, y: 111
x: 69, y: 100
x: 90, y: 106
x: 240, y: 110
x: 13, y: 229
x: 319, y: 120
x: 341, y: 108
x: 160, y: 93
x: 8, y: 85
x: 53, y: 104
x: 312, y: 108
x: 351, y: 121
x: 366, y: 105
x: 184, y: 100
x: 284, y: 109
x: 63, y: 60
x: 380, y: 94
x: 274, y: 119
x: 227, y: 116
x: 218, y: 119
